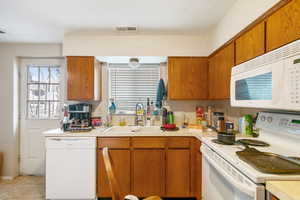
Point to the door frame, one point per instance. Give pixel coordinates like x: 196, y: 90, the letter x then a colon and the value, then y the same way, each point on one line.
x: 25, y: 167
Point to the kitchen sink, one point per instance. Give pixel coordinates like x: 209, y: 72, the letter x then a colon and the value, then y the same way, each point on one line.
x: 133, y: 129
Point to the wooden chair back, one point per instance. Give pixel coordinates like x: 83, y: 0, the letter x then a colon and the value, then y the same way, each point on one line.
x: 113, y: 183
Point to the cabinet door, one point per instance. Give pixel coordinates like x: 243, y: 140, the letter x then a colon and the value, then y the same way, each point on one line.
x: 80, y: 77
x: 148, y: 172
x: 178, y: 182
x: 121, y: 166
x: 197, y: 169
x: 251, y: 44
x: 187, y: 78
x: 284, y: 25
x: 220, y: 66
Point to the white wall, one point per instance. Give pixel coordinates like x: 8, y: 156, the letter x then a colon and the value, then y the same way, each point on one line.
x: 9, y: 141
x: 238, y: 17
x: 135, y: 45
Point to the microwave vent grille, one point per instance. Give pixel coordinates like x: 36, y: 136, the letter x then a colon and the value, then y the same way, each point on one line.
x: 274, y: 56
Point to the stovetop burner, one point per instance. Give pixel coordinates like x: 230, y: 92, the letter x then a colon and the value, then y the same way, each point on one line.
x: 248, y: 142
x: 220, y: 142
x: 251, y: 142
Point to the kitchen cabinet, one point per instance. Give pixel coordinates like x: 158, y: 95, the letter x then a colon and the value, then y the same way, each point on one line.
x: 187, y: 78
x: 178, y: 178
x: 220, y: 65
x: 148, y: 172
x: 196, y: 156
x: 119, y: 150
x: 145, y: 166
x: 83, y: 78
x: 251, y: 44
x: 120, y: 158
x: 283, y: 26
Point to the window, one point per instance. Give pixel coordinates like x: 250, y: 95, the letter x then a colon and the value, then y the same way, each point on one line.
x: 43, y: 92
x: 129, y: 86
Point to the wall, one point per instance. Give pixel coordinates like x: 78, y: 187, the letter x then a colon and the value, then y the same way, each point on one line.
x: 9, y: 141
x: 241, y: 14
x: 135, y: 45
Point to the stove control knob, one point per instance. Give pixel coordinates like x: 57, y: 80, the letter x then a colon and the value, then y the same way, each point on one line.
x: 263, y: 118
x: 269, y: 119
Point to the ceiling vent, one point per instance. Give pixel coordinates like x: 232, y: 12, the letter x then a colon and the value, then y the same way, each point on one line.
x: 126, y: 28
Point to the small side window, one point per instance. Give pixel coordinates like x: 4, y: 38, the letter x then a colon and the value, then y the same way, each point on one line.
x: 43, y: 92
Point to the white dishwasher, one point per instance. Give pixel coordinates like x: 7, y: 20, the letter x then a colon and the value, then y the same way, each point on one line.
x: 71, y: 168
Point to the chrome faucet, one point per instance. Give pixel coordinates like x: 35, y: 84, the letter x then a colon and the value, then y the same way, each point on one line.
x: 139, y: 114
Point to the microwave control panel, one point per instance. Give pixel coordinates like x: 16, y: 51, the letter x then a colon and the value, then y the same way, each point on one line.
x: 294, y: 81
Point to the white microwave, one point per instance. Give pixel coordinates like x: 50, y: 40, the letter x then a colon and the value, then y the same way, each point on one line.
x: 270, y: 81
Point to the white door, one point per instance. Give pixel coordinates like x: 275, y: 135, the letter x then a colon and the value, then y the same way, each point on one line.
x: 41, y: 97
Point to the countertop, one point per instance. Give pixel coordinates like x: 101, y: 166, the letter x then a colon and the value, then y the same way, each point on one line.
x: 284, y: 190
x: 127, y: 131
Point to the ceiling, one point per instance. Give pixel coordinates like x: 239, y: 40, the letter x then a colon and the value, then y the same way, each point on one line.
x: 48, y: 20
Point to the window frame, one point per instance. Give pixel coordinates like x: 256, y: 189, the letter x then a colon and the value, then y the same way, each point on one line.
x: 47, y: 84
x: 113, y: 65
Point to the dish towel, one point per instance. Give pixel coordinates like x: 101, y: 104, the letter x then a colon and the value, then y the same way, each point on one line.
x: 161, y: 93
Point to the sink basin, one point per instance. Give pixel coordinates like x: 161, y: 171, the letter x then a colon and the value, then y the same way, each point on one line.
x: 133, y: 129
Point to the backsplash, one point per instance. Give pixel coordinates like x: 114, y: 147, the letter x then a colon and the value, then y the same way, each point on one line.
x: 187, y: 108
x: 180, y: 108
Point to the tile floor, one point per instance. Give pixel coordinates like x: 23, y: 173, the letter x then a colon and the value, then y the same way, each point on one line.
x: 23, y: 187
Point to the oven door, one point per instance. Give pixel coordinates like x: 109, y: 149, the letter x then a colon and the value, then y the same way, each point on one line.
x: 221, y: 181
x: 260, y: 87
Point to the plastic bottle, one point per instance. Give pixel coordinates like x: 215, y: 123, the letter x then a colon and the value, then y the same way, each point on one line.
x: 112, y: 107
x: 248, y: 125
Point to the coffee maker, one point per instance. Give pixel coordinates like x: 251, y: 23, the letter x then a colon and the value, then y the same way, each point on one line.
x: 80, y: 117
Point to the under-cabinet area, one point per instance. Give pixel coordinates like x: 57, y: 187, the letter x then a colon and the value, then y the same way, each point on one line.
x: 147, y: 166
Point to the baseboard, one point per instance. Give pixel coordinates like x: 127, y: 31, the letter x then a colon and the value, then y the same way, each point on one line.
x: 7, y: 177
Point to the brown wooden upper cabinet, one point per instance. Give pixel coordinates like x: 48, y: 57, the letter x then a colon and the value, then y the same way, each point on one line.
x: 251, y: 44
x: 220, y: 65
x: 83, y: 78
x: 283, y: 26
x: 187, y: 78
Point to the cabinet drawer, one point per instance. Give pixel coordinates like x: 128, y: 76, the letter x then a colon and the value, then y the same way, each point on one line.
x: 149, y: 142
x: 179, y: 142
x: 121, y: 143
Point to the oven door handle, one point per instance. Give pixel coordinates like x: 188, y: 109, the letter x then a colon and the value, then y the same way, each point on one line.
x: 243, y: 188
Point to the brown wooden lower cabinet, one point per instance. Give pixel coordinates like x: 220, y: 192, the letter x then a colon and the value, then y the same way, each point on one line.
x: 120, y: 159
x: 148, y: 172
x: 145, y: 166
x: 178, y: 178
x: 197, y: 169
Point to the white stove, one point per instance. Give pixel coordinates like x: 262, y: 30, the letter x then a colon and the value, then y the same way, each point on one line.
x: 234, y: 177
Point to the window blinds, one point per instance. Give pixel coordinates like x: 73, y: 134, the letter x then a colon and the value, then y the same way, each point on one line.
x: 129, y: 86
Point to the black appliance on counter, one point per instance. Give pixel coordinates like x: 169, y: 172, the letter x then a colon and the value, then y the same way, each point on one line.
x: 80, y: 117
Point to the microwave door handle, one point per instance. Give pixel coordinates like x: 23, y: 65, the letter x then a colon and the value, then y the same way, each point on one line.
x: 250, y: 191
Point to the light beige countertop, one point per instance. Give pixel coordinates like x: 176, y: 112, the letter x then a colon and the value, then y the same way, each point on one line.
x: 129, y: 131
x: 284, y: 190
